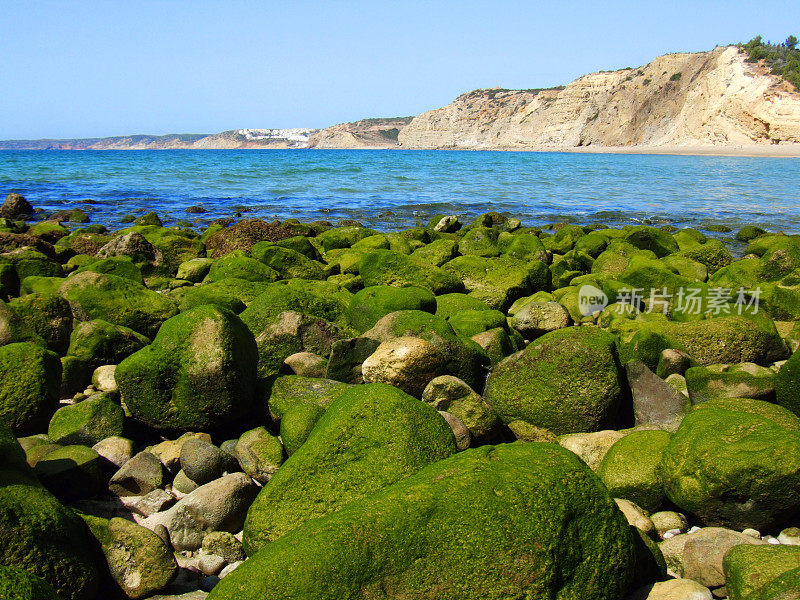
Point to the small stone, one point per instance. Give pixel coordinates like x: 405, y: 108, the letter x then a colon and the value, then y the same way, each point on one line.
x: 211, y: 564
x: 790, y: 536
x: 537, y: 318
x: 752, y: 533
x: 230, y: 569
x: 674, y: 589
x: 115, y: 449
x: 460, y: 431
x: 224, y: 544
x: 183, y: 484
x: 306, y: 364
x: 667, y: 521
x: 163, y: 533
x: 636, y: 515
x: 673, y: 362
x: 169, y: 451
x: 202, y: 461
x: 139, y: 476
x: 154, y: 502
x: 448, y: 224
x: 103, y: 379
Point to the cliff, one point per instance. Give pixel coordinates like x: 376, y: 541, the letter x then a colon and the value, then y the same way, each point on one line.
x: 367, y: 133
x: 696, y: 99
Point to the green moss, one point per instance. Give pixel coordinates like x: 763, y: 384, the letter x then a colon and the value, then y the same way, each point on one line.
x: 373, y: 303
x: 121, y: 266
x: 86, y: 422
x: 194, y: 270
x: 616, y: 257
x: 30, y: 377
x: 479, y: 241
x: 437, y: 252
x: 564, y: 239
x: 199, y: 372
x: 448, y: 305
x: 521, y: 246
x: 567, y: 381
x: 749, y: 232
x: 232, y: 294
x: 238, y: 266
x: 319, y: 299
x: 100, y: 343
x: 49, y: 316
x: 259, y: 454
x: 384, y: 267
x: 520, y: 520
x: 15, y: 328
x: 787, y: 384
x: 288, y: 263
x: 297, y: 424
x: 343, y: 237
x: 298, y: 243
x: 735, y: 463
x: 730, y: 381
x: 783, y: 587
x: 750, y: 568
x: 370, y: 437
x: 499, y: 281
x: 468, y: 323
x: 16, y: 584
x: 648, y: 238
x: 116, y: 300
x: 291, y: 390
x: 629, y: 468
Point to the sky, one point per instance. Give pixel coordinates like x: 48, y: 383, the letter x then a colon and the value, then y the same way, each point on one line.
x: 94, y: 68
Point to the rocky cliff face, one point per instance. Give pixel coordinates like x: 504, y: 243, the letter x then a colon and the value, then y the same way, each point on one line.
x: 367, y: 133
x: 704, y: 98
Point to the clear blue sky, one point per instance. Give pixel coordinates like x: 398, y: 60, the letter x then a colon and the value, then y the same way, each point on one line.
x: 95, y: 68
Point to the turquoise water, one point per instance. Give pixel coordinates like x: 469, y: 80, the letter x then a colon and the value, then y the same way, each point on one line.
x: 384, y: 188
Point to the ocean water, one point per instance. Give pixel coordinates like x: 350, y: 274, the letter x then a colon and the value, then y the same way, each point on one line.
x: 397, y: 188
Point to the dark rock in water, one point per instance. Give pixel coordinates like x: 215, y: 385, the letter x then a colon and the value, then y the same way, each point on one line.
x: 15, y: 207
x: 655, y: 402
x: 484, y: 523
x: 150, y: 218
x: 245, y: 234
x: 196, y: 210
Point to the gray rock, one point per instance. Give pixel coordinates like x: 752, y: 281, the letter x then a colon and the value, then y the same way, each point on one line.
x: 15, y: 207
x: 103, y: 379
x: 115, y: 449
x: 211, y: 564
x: 202, y: 461
x: 537, y: 318
x: 169, y: 451
x: 636, y: 515
x: 668, y: 520
x: 259, y: 454
x: 673, y: 362
x: 655, y: 402
x: 460, y: 431
x: 790, y: 536
x: 450, y: 394
x: 154, y: 502
x: 448, y: 224
x: 133, y: 245
x: 139, y: 476
x: 217, y: 506
x: 591, y: 447
x: 183, y: 484
x: 306, y: 364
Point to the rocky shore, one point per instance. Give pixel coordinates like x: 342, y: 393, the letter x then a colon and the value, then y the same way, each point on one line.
x: 273, y: 410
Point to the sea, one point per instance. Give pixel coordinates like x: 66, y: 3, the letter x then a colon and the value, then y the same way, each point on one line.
x: 387, y: 189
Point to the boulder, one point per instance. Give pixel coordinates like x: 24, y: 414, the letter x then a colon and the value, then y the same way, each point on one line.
x: 745, y: 380
x: 537, y: 318
x: 202, y: 461
x: 71, y: 472
x: 673, y: 589
x: 297, y: 424
x: 139, y: 476
x: 217, y: 506
x: 787, y: 384
x: 87, y: 422
x: 567, y: 381
x: 199, y: 372
x: 704, y: 550
x: 116, y: 450
x: 99, y: 343
x: 15, y: 207
x: 30, y: 378
x: 40, y: 535
x: 784, y: 587
x: 117, y: 300
x: 485, y: 523
x: 749, y: 568
x: 450, y: 394
x: 288, y: 263
x: 259, y: 453
x: 630, y: 468
x: 655, y: 402
x: 407, y: 363
x: 49, y: 316
x: 384, y: 267
x: 238, y: 266
x: 390, y: 435
x: 735, y: 463
x: 290, y: 390
x: 591, y: 447
x: 371, y: 304
x: 140, y: 563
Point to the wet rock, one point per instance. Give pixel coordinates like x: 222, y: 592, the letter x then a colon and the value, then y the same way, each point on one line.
x: 655, y: 402
x: 139, y: 476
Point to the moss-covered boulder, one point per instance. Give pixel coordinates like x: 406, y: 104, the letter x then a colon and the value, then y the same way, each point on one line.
x: 564, y: 239
x: 567, y: 381
x: 238, y: 266
x: 479, y: 241
x: 448, y: 305
x: 745, y: 380
x: 71, y: 472
x: 521, y: 246
x: 87, y: 422
x: 233, y: 294
x: 450, y: 394
x: 16, y: 584
x: 100, y: 343
x: 289, y: 391
x: 735, y: 463
x: 30, y: 378
x: 121, y: 266
x: 787, y: 384
x: 15, y: 328
x: 116, y: 300
x: 288, y: 263
x: 630, y: 468
x: 49, y: 316
x: 384, y: 267
x: 199, y: 373
x: 784, y: 587
x: 139, y: 561
x: 343, y: 237
x: 40, y: 535
x: 521, y: 520
x: 750, y: 571
x: 259, y: 453
x: 657, y: 241
x: 297, y: 424
x: 314, y: 298
x: 371, y: 304
x: 437, y: 252
x: 370, y: 437
x: 499, y: 281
